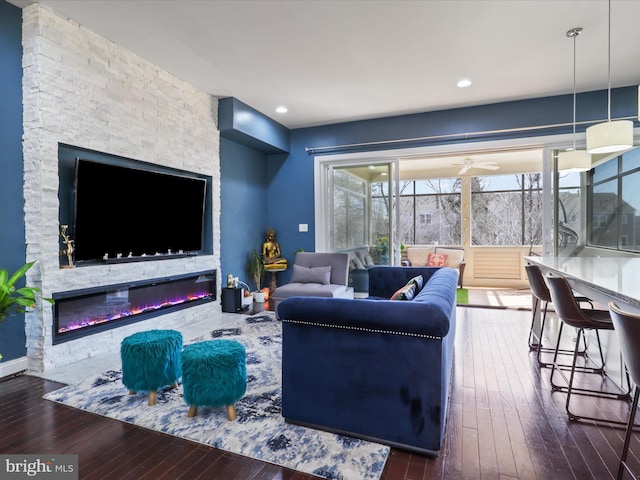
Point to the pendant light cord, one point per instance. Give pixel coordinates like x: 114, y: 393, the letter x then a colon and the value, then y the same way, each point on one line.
x: 573, y: 33
x: 574, y: 91
x: 609, y: 67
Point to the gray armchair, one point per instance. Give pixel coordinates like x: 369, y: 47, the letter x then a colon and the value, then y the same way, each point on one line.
x: 317, y: 275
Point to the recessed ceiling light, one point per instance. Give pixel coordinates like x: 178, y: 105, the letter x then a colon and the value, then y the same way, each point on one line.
x: 282, y: 109
x: 464, y: 83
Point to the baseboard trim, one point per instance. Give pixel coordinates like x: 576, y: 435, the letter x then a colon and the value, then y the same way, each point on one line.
x: 11, y: 367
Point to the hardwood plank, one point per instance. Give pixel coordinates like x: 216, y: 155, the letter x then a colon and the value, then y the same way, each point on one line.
x: 504, y: 422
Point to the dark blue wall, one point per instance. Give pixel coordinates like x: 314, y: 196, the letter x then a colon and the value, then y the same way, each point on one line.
x: 291, y: 186
x: 243, y: 216
x: 12, y: 242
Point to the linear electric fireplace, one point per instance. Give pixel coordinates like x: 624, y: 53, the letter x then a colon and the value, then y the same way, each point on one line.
x: 84, y: 312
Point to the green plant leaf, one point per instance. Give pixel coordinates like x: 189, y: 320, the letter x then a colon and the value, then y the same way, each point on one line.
x: 14, y: 300
x: 20, y: 273
x: 27, y: 302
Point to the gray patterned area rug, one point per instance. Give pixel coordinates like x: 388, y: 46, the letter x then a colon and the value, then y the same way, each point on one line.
x: 259, y: 432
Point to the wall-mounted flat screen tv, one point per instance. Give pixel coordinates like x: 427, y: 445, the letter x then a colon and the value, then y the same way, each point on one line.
x: 121, y: 211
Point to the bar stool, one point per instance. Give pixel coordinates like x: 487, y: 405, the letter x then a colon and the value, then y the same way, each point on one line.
x: 627, y: 326
x: 582, y: 319
x: 541, y: 293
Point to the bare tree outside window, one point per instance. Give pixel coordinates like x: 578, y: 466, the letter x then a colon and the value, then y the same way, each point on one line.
x: 506, y: 210
x: 348, y: 210
x: 430, y: 212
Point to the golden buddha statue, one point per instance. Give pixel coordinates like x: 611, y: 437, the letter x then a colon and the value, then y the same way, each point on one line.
x: 271, y: 256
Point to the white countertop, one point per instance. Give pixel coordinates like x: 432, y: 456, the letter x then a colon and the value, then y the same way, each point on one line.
x: 617, y: 278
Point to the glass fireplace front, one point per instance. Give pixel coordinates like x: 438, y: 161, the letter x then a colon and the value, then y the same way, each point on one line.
x: 83, y: 312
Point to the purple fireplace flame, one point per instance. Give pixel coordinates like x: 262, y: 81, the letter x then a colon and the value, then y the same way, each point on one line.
x: 84, y: 312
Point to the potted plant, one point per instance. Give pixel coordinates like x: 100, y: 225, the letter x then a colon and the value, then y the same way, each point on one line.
x: 255, y: 267
x: 16, y: 300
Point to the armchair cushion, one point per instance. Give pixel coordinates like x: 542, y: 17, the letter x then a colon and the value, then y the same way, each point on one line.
x: 309, y: 278
x: 419, y: 256
x: 454, y: 256
x: 302, y: 274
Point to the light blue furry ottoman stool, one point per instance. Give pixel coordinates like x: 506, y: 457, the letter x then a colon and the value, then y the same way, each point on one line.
x: 214, y: 373
x: 151, y: 360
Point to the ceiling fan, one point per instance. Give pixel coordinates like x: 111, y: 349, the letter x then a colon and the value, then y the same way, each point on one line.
x: 469, y: 163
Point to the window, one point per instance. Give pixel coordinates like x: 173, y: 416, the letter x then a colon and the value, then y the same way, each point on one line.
x: 506, y: 209
x: 425, y: 219
x: 348, y: 210
x: 430, y: 212
x: 568, y: 212
x: 614, y: 202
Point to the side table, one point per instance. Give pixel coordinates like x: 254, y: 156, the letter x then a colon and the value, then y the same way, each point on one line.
x: 273, y: 284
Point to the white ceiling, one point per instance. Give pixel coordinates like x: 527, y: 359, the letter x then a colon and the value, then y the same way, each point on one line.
x: 333, y: 61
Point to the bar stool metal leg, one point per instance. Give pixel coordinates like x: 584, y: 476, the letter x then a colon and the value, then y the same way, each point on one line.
x: 627, y: 437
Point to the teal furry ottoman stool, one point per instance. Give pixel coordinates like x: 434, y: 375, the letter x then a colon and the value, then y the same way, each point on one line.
x: 214, y: 373
x: 151, y: 360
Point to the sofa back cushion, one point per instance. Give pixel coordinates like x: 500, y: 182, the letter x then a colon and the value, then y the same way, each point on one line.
x: 385, y: 280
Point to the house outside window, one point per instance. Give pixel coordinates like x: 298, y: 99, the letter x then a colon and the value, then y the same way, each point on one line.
x: 614, y: 203
x: 425, y: 218
x: 430, y: 212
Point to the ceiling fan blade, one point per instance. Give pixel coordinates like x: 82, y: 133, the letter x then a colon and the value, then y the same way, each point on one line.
x: 464, y: 169
x: 487, y: 166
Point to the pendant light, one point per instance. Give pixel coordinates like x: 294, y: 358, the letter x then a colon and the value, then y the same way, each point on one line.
x: 609, y: 137
x: 574, y: 160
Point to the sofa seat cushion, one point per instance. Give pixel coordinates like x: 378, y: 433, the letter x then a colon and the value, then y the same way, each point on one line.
x: 310, y: 290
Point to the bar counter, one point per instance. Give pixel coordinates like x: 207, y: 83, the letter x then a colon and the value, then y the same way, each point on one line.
x: 603, y: 279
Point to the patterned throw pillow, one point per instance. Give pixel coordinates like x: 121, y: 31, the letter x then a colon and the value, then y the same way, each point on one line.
x: 418, y: 281
x: 437, y: 260
x: 407, y: 292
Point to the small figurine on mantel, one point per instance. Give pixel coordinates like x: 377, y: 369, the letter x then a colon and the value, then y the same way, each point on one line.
x: 271, y: 255
x: 69, y: 244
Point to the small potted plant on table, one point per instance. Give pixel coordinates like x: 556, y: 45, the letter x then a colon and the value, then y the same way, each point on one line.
x: 255, y: 267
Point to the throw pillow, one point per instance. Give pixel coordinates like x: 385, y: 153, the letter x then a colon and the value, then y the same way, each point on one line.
x: 418, y: 281
x: 437, y: 260
x: 407, y: 292
x: 302, y: 274
x: 358, y: 265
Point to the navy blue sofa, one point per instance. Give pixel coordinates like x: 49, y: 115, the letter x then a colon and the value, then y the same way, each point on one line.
x: 373, y: 368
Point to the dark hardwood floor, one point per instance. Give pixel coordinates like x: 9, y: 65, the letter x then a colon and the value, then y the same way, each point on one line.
x: 504, y: 423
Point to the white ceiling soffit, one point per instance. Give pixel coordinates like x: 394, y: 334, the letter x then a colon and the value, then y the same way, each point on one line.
x: 334, y: 61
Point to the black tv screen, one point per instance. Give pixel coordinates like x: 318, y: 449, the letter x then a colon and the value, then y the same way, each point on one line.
x: 132, y: 212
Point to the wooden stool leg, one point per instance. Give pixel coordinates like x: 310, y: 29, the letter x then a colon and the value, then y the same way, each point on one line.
x: 192, y: 411
x: 231, y: 412
x: 152, y: 398
x: 132, y: 392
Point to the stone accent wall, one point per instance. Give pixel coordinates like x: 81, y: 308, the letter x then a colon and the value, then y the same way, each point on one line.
x: 83, y: 90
